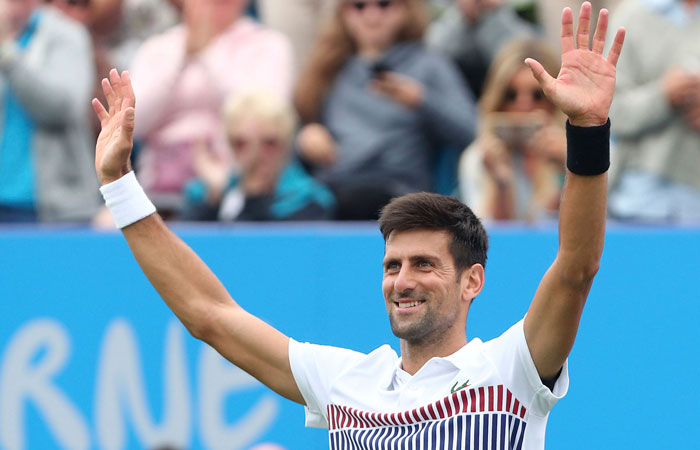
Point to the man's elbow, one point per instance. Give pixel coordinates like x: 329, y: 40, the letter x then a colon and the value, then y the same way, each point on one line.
x: 201, y: 324
x: 198, y: 331
x: 209, y: 322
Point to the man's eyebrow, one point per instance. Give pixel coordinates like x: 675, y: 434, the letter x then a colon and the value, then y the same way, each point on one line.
x: 412, y: 258
x: 388, y: 261
x: 423, y: 257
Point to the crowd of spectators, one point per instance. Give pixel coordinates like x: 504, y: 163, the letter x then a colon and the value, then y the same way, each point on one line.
x: 256, y: 110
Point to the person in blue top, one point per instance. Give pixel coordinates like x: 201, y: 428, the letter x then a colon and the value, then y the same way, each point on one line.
x: 265, y: 184
x: 46, y: 74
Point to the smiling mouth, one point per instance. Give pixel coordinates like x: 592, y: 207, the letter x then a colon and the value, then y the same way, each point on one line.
x: 404, y: 305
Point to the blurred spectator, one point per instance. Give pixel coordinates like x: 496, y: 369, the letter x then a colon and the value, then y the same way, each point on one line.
x: 656, y: 113
x: 117, y: 28
x: 471, y: 32
x: 515, y: 168
x: 181, y: 78
x: 378, y: 105
x: 121, y: 26
x: 299, y: 20
x: 268, y: 185
x: 78, y: 10
x: 46, y: 69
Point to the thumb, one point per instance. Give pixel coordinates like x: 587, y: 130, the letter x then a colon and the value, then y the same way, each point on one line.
x: 541, y: 75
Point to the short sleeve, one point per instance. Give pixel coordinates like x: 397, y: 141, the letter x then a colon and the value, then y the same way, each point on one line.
x: 315, y: 369
x: 511, y: 356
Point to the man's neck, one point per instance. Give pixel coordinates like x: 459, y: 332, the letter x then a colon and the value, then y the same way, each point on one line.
x: 415, y: 355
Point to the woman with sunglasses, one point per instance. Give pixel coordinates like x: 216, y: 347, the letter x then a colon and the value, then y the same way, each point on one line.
x: 378, y: 106
x: 514, y: 169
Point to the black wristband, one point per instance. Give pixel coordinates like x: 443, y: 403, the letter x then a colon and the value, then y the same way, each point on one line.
x: 588, y: 149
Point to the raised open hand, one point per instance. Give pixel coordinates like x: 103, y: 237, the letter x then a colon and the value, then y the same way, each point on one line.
x: 584, y: 88
x: 116, y: 138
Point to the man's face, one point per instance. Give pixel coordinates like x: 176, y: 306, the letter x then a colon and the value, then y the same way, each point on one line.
x: 421, y: 288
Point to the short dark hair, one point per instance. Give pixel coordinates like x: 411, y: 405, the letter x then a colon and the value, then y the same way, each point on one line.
x: 427, y: 211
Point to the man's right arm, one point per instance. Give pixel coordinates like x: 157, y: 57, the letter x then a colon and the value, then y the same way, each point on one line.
x: 181, y: 278
x: 200, y: 301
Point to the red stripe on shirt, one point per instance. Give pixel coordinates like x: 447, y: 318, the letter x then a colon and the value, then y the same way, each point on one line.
x: 472, y: 400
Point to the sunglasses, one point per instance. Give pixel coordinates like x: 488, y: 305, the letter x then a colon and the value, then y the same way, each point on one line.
x: 361, y: 5
x: 72, y: 2
x: 265, y: 143
x: 511, y: 95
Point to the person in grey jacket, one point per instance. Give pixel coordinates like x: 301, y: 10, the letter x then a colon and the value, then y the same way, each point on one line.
x: 471, y: 32
x: 657, y: 107
x: 379, y: 106
x: 46, y: 71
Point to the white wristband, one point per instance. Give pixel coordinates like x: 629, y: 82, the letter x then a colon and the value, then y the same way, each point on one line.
x: 126, y: 200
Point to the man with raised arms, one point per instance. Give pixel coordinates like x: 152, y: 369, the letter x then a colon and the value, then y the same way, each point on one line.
x: 443, y: 392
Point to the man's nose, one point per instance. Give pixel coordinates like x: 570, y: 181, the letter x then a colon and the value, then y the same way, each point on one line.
x: 405, y: 281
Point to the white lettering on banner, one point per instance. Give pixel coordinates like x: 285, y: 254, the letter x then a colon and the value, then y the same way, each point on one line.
x: 23, y: 381
x: 120, y: 384
x: 217, y: 378
x: 40, y: 349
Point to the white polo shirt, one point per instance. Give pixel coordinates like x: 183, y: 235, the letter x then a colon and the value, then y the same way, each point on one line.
x: 487, y: 395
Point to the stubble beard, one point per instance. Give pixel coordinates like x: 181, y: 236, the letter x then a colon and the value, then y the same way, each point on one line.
x: 432, y: 327
x: 415, y: 332
x: 428, y: 327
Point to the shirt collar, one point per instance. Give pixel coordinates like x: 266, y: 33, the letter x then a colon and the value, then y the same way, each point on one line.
x: 457, y: 358
x: 453, y: 361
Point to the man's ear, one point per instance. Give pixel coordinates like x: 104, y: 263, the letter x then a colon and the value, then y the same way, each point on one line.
x: 472, y: 282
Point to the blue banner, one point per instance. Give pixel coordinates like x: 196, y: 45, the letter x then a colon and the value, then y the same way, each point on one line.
x: 91, y: 358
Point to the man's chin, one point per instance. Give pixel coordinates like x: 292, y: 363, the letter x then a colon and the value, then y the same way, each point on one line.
x: 411, y: 332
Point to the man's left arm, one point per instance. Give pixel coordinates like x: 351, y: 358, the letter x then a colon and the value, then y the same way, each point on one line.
x: 584, y: 91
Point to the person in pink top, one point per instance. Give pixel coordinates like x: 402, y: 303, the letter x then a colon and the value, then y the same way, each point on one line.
x: 181, y: 78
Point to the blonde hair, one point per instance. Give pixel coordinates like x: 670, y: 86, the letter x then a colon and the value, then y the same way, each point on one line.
x: 507, y: 62
x: 545, y: 178
x: 263, y: 105
x: 334, y: 45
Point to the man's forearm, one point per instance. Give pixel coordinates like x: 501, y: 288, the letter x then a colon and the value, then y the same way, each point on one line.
x: 584, y: 202
x: 582, y: 225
